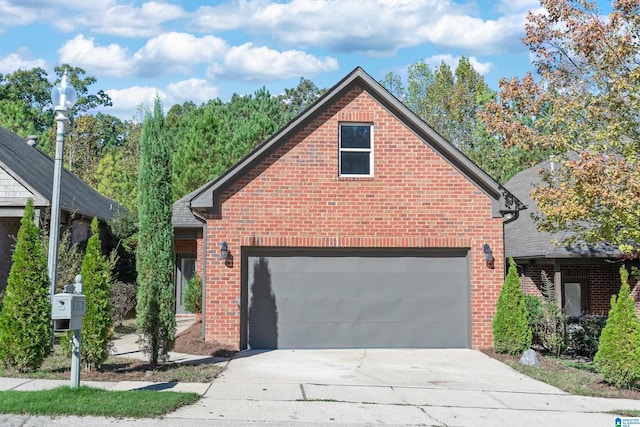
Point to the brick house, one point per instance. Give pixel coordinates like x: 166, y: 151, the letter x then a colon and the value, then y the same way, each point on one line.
x: 27, y: 173
x: 584, y: 276
x: 355, y: 225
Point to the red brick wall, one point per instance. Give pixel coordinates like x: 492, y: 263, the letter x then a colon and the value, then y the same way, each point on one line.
x: 296, y: 199
x: 603, y: 279
x: 185, y: 246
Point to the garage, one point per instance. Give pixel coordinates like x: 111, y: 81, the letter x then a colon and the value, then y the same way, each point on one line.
x: 355, y: 299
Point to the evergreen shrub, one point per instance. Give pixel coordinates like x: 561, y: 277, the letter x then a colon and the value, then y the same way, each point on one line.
x: 193, y: 295
x: 25, y: 319
x: 511, y: 332
x: 618, y: 356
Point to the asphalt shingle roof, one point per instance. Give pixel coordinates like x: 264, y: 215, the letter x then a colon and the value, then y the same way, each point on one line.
x: 523, y: 240
x: 34, y: 169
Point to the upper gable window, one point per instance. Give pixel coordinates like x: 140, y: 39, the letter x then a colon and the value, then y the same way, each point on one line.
x: 356, y: 149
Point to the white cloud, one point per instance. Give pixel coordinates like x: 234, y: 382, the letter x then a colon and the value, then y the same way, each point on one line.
x: 490, y: 36
x: 13, y: 15
x: 261, y: 63
x: 176, y: 52
x: 15, y: 61
x: 111, y: 60
x: 101, y: 16
x: 128, y: 21
x: 196, y: 90
x: 373, y: 27
x: 452, y: 61
x: 126, y: 102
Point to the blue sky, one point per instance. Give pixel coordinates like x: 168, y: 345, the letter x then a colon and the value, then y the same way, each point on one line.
x: 197, y: 50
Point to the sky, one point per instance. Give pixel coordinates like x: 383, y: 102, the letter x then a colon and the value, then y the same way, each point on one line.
x: 196, y: 50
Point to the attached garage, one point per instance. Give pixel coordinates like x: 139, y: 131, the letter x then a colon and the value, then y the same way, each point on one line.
x: 356, y: 299
x: 354, y: 226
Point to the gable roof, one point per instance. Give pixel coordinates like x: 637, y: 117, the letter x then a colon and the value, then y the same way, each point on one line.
x: 33, y: 169
x: 182, y: 216
x: 204, y: 199
x: 523, y: 240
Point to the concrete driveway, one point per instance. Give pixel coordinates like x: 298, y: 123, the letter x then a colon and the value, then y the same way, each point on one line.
x: 397, y: 387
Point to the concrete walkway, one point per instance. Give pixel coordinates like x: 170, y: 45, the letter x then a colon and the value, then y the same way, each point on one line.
x: 357, y: 388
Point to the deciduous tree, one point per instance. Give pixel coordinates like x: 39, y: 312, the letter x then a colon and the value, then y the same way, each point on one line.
x: 586, y: 100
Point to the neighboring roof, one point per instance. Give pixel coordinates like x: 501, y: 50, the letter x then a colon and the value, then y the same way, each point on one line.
x: 204, y: 198
x: 182, y: 216
x: 34, y: 170
x: 523, y: 240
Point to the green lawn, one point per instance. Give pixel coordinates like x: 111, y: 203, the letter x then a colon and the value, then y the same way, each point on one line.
x: 86, y: 401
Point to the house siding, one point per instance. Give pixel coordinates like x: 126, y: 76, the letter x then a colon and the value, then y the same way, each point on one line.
x: 295, y: 198
x: 8, y: 227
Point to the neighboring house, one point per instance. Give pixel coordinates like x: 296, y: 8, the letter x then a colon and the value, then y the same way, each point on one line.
x: 355, y: 225
x: 584, y: 276
x: 27, y: 173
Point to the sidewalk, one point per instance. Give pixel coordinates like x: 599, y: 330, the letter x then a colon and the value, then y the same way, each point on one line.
x: 125, y: 346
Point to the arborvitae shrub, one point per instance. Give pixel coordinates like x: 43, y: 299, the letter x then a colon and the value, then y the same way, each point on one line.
x: 25, y: 320
x: 511, y: 332
x: 97, y: 325
x: 618, y: 356
x: 193, y: 295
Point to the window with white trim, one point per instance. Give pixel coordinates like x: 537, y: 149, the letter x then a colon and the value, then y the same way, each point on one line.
x: 356, y: 149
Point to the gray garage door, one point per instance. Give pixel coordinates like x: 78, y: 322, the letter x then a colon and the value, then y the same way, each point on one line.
x: 356, y: 300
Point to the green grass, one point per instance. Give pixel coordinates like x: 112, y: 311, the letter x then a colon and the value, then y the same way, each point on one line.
x: 631, y: 413
x: 574, y: 377
x: 574, y: 381
x: 86, y: 401
x: 585, y: 366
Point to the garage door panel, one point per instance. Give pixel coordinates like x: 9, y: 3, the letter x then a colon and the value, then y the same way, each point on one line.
x: 357, y: 301
x: 331, y: 284
x: 367, y: 309
x: 369, y: 335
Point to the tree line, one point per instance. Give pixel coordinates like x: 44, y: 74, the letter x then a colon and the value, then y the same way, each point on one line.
x: 582, y: 97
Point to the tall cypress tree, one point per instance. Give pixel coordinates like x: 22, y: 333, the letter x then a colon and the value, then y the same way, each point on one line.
x: 25, y: 320
x: 156, y: 300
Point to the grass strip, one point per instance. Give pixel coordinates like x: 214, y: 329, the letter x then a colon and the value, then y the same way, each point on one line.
x: 85, y: 401
x: 631, y: 413
x: 575, y: 381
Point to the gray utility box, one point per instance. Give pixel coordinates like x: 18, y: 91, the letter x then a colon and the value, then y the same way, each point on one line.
x: 67, y: 311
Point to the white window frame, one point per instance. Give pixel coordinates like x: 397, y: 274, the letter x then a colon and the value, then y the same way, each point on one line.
x: 355, y: 150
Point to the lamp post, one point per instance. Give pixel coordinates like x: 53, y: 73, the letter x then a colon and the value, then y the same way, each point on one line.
x: 63, y: 96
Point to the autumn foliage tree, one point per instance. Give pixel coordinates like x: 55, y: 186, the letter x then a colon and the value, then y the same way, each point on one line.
x: 452, y: 102
x: 586, y: 101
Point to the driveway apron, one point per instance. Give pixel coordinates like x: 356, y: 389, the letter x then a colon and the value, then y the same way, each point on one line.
x: 395, y: 387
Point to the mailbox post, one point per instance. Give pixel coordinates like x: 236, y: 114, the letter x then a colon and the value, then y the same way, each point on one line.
x: 67, y: 311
